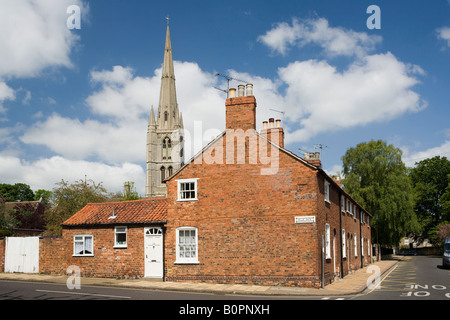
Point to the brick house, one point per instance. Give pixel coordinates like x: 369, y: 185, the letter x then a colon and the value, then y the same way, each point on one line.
x: 109, y: 240
x: 246, y: 210
x: 243, y: 210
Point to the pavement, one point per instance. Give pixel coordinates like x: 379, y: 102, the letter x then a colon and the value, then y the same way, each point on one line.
x: 354, y: 283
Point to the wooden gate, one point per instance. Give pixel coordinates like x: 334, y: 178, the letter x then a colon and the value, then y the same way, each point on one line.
x: 22, y: 254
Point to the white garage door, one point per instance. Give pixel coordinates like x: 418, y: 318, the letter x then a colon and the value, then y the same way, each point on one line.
x: 22, y: 254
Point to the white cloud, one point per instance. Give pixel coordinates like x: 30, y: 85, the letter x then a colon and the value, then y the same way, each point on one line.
x: 45, y: 173
x: 282, y: 36
x: 334, y: 41
x: 444, y: 34
x: 34, y: 36
x: 320, y: 98
x: 125, y: 100
x: 122, y: 96
x: 74, y: 139
x: 323, y: 99
x: 410, y: 158
x: 6, y: 93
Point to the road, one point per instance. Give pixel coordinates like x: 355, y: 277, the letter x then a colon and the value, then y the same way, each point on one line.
x: 414, y: 278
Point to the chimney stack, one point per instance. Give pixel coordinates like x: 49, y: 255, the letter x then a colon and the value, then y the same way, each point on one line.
x: 241, y: 110
x: 313, y: 158
x: 273, y: 133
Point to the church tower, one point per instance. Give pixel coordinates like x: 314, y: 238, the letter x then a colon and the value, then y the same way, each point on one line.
x: 165, y: 143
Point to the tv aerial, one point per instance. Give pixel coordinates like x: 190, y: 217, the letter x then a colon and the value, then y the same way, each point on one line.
x: 282, y: 112
x: 228, y: 78
x: 320, y: 146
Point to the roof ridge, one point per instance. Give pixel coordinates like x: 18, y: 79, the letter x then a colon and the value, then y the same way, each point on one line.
x: 126, y: 201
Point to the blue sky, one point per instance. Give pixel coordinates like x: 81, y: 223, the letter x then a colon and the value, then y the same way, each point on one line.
x: 75, y: 103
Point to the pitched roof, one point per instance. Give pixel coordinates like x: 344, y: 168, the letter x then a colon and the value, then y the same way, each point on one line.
x: 124, y: 212
x: 290, y: 153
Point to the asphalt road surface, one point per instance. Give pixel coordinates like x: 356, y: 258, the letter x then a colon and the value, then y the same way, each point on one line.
x: 414, y: 278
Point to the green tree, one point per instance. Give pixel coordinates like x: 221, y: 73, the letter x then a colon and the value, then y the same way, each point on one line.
x: 45, y: 195
x: 68, y: 199
x: 16, y: 192
x: 430, y: 179
x: 445, y: 202
x: 129, y: 191
x: 376, y: 177
x: 8, y: 220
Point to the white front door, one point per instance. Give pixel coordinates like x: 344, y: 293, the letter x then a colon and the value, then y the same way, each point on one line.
x: 153, y: 244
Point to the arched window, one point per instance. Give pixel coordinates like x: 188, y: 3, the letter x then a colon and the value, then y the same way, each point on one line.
x: 166, y: 116
x: 167, y: 149
x: 163, y: 174
x: 170, y: 171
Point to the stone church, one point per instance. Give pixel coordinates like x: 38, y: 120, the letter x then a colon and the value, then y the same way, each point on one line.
x: 165, y: 145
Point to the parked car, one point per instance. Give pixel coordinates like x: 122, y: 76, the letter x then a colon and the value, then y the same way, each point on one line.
x: 446, y: 257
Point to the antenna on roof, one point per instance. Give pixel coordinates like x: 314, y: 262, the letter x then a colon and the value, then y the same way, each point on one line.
x: 228, y: 78
x: 282, y: 112
x: 320, y: 146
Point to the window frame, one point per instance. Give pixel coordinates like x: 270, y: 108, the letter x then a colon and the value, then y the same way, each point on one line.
x: 179, y: 191
x: 327, y: 241
x: 116, y: 245
x: 326, y: 191
x: 184, y: 260
x: 344, y: 244
x: 83, y: 240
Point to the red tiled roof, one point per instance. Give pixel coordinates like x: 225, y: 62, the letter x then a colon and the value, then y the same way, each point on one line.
x: 124, y: 212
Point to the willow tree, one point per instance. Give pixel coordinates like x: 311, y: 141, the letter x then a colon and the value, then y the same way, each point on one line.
x: 376, y: 177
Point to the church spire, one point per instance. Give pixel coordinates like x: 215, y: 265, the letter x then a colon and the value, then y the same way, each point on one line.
x: 168, y: 106
x: 165, y: 134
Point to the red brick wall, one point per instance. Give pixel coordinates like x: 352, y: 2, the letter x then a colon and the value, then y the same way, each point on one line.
x: 241, y: 113
x: 109, y: 262
x: 245, y: 221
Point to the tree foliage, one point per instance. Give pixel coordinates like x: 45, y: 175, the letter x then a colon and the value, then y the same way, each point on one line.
x: 376, y: 177
x: 430, y: 179
x: 16, y: 192
x: 68, y: 199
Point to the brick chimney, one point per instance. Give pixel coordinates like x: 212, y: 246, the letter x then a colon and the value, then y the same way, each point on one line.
x: 273, y: 132
x: 241, y: 110
x: 313, y: 158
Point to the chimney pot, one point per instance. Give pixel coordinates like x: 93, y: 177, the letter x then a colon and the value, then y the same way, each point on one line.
x: 278, y: 122
x: 232, y: 92
x: 249, y: 89
x: 264, y: 124
x: 271, y: 123
x: 241, y: 90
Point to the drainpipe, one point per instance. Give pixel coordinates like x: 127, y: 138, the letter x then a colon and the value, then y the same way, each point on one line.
x: 361, y: 240
x: 323, y: 262
x: 340, y: 236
